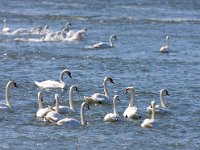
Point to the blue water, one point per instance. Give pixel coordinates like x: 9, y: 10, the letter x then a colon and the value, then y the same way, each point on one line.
x: 141, y: 27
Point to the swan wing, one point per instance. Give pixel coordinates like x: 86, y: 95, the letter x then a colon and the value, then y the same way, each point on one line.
x: 64, y: 109
x: 147, y: 123
x: 101, y: 45
x: 131, y: 112
x: 99, y: 97
x: 42, y: 112
x: 164, y: 49
x: 111, y: 117
x: 49, y: 84
x: 68, y: 122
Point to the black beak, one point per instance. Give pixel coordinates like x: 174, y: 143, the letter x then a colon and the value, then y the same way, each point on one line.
x: 69, y: 74
x: 76, y: 89
x: 88, y: 107
x: 15, y: 85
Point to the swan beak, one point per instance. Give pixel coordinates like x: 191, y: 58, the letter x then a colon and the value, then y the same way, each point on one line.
x: 15, y: 85
x: 76, y: 89
x: 111, y: 80
x: 167, y: 93
x: 126, y: 91
x: 88, y: 107
x: 69, y: 74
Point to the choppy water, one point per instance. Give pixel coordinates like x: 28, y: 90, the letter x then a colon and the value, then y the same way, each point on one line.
x: 141, y: 27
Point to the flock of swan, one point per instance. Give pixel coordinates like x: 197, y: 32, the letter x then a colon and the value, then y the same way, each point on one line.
x: 53, y: 114
x: 65, y: 34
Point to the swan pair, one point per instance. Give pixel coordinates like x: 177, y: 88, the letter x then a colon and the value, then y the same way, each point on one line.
x: 165, y: 49
x: 7, y: 104
x: 54, y: 84
x: 159, y: 108
x: 102, y: 45
x: 55, y: 117
x: 98, y: 97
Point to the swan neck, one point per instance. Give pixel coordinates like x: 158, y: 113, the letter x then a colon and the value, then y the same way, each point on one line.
x: 63, y: 30
x: 105, y: 89
x: 39, y: 103
x: 114, y: 106
x: 7, y: 95
x: 82, y: 115
x: 57, y: 106
x: 153, y: 113
x: 61, y: 78
x: 70, y: 99
x: 167, y: 43
x: 110, y: 41
x: 162, y: 100
x: 132, y: 99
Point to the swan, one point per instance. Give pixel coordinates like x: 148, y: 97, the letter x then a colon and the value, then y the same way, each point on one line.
x: 54, y: 116
x: 5, y: 28
x: 147, y: 123
x: 112, y: 117
x: 41, y: 111
x: 162, y: 107
x: 21, y: 31
x: 74, y: 122
x: 78, y: 35
x: 98, y: 97
x: 66, y: 109
x: 7, y: 104
x: 105, y: 45
x: 36, y: 30
x: 165, y: 49
x: 131, y: 110
x: 54, y: 84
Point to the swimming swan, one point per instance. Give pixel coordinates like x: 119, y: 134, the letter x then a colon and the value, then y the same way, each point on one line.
x: 147, y: 123
x: 98, y: 97
x: 105, y: 45
x: 131, y: 110
x: 112, y: 117
x: 78, y: 35
x: 165, y: 49
x: 54, y: 116
x: 21, y: 31
x: 72, y: 121
x: 7, y: 104
x: 162, y: 107
x: 5, y: 28
x: 41, y: 111
x: 66, y: 109
x: 54, y: 84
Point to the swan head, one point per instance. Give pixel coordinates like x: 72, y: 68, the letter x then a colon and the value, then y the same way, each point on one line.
x: 67, y: 72
x: 109, y: 79
x: 4, y: 20
x: 40, y: 96
x: 164, y: 92
x: 75, y: 88
x: 153, y: 104
x: 116, y: 97
x: 56, y: 98
x: 46, y: 27
x: 129, y: 90
x: 85, y: 104
x: 12, y: 83
x: 114, y: 36
x: 167, y: 37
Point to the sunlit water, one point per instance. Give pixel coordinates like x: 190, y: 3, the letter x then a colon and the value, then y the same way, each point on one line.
x: 141, y: 27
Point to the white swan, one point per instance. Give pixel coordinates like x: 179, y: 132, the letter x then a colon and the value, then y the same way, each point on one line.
x: 78, y: 35
x: 105, y: 45
x: 72, y: 121
x: 54, y: 116
x: 36, y: 30
x: 162, y: 107
x: 131, y: 110
x: 98, y: 97
x: 112, y: 117
x: 66, y: 109
x: 165, y: 49
x: 20, y: 31
x: 147, y: 123
x: 7, y: 104
x: 41, y: 111
x: 5, y: 28
x: 54, y: 84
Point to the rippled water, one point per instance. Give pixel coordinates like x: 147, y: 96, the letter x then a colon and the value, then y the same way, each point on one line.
x: 141, y: 27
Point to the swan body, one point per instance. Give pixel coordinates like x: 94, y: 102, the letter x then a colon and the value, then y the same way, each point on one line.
x: 112, y: 117
x: 147, y: 123
x: 102, y: 45
x: 54, y: 116
x: 165, y: 49
x: 72, y: 121
x: 70, y: 108
x: 21, y: 31
x: 5, y: 28
x: 78, y: 35
x: 41, y: 111
x: 159, y: 108
x: 7, y: 104
x: 98, y: 97
x: 54, y: 84
x: 131, y: 110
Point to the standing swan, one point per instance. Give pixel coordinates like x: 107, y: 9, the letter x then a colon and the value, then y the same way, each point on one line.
x: 7, y: 105
x: 112, y: 117
x: 105, y: 45
x: 54, y: 84
x: 66, y: 109
x: 5, y: 28
x: 54, y: 116
x: 41, y: 111
x: 162, y: 107
x: 131, y: 110
x: 72, y: 121
x: 98, y: 97
x: 147, y: 123
x: 165, y: 49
